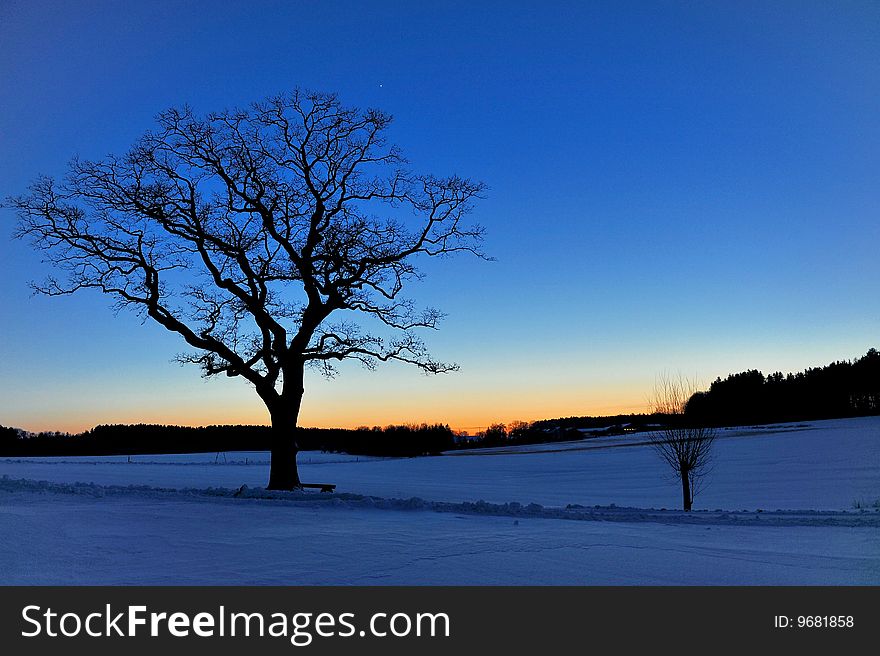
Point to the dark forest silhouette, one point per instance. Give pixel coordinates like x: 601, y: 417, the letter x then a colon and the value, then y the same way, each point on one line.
x: 406, y: 440
x: 841, y: 389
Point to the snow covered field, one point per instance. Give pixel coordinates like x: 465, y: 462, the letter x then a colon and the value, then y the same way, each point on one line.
x: 789, y: 504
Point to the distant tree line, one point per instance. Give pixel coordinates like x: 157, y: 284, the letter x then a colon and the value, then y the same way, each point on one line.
x: 405, y: 440
x: 521, y: 432
x: 846, y: 388
x: 8, y: 437
x: 121, y: 439
x: 841, y: 389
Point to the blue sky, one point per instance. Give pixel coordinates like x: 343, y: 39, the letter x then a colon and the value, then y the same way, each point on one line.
x: 674, y: 186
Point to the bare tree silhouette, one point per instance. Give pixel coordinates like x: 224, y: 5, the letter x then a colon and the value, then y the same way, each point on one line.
x: 686, y: 448
x: 245, y: 231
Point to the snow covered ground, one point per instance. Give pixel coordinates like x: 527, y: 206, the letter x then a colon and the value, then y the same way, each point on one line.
x: 789, y: 504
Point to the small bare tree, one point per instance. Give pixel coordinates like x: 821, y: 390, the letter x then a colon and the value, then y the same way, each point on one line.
x: 247, y: 232
x: 684, y: 447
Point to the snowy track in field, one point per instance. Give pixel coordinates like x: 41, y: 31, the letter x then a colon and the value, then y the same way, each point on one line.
x: 863, y: 518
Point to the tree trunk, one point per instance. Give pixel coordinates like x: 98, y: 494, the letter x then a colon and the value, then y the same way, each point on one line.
x: 283, y: 474
x: 686, y: 490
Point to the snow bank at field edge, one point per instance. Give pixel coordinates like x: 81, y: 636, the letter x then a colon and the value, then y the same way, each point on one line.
x: 857, y: 518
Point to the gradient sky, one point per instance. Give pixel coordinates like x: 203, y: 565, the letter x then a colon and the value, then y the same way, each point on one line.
x: 674, y: 186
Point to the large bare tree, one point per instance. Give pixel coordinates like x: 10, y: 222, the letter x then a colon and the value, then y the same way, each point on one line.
x: 684, y: 446
x: 267, y: 238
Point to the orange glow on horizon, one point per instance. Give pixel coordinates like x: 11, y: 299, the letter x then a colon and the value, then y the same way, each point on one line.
x: 469, y: 417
